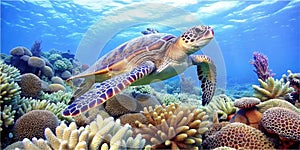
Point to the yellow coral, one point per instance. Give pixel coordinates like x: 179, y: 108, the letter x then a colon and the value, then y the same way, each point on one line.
x: 99, y: 134
x: 222, y: 105
x: 173, y: 126
x: 271, y: 89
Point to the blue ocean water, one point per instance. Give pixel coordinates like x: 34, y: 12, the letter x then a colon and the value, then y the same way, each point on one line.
x: 241, y: 27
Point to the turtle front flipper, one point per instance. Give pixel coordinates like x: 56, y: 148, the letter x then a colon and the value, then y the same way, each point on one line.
x: 103, y: 91
x: 206, y: 70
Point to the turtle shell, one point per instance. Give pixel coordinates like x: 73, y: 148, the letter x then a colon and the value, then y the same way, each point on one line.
x: 146, y: 47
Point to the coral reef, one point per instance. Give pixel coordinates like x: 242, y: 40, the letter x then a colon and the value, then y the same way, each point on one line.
x: 36, y: 62
x: 174, y: 126
x: 271, y: 89
x: 31, y: 85
x: 294, y: 79
x: 99, y: 134
x: 36, y: 49
x: 283, y: 122
x: 248, y: 112
x: 54, y: 87
x: 264, y: 106
x: 47, y: 71
x: 222, y: 105
x: 147, y: 100
x: 131, y: 118
x: 122, y: 104
x: 33, y: 124
x: 261, y: 65
x: 238, y: 136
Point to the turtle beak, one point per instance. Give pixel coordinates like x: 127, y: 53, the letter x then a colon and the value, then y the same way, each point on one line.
x: 209, y: 34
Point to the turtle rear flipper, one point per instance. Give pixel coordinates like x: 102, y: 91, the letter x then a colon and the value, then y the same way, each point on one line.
x: 206, y: 70
x: 103, y: 91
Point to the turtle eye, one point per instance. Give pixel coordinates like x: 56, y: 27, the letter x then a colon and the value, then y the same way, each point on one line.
x: 197, y: 30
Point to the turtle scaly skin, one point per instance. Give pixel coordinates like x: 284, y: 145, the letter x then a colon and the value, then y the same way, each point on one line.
x: 145, y: 59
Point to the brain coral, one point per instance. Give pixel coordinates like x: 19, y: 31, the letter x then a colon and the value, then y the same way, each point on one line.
x: 56, y: 87
x: 36, y: 62
x: 34, y: 123
x: 238, y: 136
x: 31, y: 85
x: 282, y: 121
x: 47, y: 71
x: 121, y: 104
x: 20, y: 51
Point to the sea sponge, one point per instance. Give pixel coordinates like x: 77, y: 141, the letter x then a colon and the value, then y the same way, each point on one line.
x: 36, y: 62
x: 33, y: 124
x: 238, y: 136
x: 222, y: 105
x: 31, y: 85
x: 271, y: 89
x: 174, y: 126
x: 99, y: 134
x: 122, y: 104
x: 47, y: 71
x: 264, y: 106
x: 283, y: 122
x: 56, y: 87
x: 131, y: 118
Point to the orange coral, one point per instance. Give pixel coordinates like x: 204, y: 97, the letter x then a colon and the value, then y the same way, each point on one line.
x: 238, y: 136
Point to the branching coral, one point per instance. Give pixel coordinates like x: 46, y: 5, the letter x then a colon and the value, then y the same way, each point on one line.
x: 99, y: 134
x: 222, y: 105
x: 271, y: 89
x: 174, y: 126
x: 239, y: 136
x: 261, y: 65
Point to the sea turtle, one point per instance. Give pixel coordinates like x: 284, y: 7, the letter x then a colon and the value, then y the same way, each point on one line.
x: 142, y: 60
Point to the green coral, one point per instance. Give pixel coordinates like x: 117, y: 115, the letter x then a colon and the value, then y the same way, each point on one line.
x: 167, y: 99
x: 9, y: 93
x: 54, y: 57
x: 59, y: 96
x: 63, y: 64
x: 29, y: 104
x: 99, y: 134
x: 271, y: 89
x: 222, y: 105
x: 9, y: 88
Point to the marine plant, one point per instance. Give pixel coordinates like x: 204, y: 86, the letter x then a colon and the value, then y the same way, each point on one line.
x: 174, y: 126
x: 260, y: 62
x: 99, y: 134
x: 271, y: 88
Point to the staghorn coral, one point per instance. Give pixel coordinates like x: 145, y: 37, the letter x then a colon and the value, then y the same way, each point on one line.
x: 31, y: 85
x: 33, y: 124
x: 261, y: 65
x: 222, y: 105
x: 7, y: 116
x: 99, y: 134
x: 264, y: 106
x: 271, y: 89
x: 174, y: 126
x: 238, y: 136
x: 283, y: 122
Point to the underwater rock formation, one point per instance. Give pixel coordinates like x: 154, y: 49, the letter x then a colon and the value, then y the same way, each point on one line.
x: 238, y: 136
x: 271, y: 89
x: 99, y: 134
x: 174, y: 126
x: 33, y: 124
x: 261, y: 65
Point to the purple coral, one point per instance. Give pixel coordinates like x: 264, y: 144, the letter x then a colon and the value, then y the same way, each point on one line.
x: 36, y: 49
x: 261, y: 65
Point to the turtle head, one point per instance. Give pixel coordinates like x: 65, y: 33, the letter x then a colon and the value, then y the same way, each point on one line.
x: 195, y: 38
